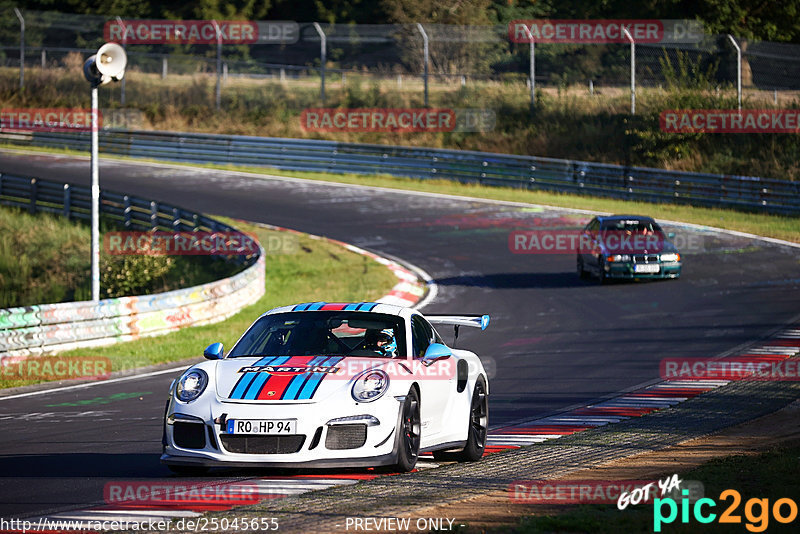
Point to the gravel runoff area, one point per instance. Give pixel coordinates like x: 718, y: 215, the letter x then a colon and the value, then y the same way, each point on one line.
x: 398, y: 496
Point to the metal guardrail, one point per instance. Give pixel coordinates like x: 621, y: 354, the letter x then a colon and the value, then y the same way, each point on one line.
x: 597, y: 179
x: 55, y: 327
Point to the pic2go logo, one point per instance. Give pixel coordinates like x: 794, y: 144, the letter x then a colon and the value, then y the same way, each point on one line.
x: 758, y: 521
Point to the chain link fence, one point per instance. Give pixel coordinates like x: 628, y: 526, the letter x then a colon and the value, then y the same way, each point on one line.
x: 394, y: 56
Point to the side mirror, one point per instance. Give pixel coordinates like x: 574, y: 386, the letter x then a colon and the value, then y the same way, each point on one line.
x: 436, y: 352
x: 213, y: 352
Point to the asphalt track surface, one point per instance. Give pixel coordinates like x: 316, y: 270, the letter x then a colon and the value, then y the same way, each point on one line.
x: 555, y: 341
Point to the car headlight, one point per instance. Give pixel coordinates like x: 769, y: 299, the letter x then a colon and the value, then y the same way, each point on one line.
x: 191, y: 385
x: 619, y: 257
x: 370, y: 385
x: 671, y: 257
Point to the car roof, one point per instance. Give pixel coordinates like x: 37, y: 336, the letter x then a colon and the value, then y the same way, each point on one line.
x: 622, y: 217
x: 374, y: 307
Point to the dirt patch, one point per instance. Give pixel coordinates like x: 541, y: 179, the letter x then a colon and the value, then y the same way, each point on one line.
x: 496, y: 510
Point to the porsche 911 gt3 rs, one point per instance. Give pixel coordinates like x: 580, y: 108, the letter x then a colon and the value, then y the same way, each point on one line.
x: 331, y: 385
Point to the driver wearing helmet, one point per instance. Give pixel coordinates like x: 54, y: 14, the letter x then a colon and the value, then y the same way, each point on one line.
x: 381, y: 341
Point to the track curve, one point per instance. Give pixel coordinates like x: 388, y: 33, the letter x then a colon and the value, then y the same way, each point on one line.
x: 555, y: 341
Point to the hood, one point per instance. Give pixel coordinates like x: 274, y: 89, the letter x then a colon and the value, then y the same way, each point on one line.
x: 288, y: 379
x: 658, y: 244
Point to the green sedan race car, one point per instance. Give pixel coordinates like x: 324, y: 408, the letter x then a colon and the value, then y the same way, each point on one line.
x: 627, y: 247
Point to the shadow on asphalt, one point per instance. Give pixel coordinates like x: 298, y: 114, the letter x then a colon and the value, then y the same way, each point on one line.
x: 81, y: 465
x: 515, y: 280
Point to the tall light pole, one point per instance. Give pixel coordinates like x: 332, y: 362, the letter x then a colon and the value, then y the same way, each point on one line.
x: 108, y: 64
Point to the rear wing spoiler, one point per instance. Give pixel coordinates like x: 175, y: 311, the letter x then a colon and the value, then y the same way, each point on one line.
x: 473, y: 321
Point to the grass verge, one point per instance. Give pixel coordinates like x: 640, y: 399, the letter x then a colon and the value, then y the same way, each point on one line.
x: 770, y: 475
x: 45, y: 258
x: 313, y: 270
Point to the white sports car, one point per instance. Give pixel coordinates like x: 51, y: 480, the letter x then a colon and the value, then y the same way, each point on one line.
x: 330, y: 385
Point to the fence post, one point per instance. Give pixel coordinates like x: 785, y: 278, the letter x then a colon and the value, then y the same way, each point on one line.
x: 124, y: 41
x: 323, y: 53
x: 532, y: 67
x: 218, y: 92
x: 44, y: 58
x: 633, y: 71
x: 164, y: 67
x: 21, y: 48
x: 425, y: 59
x: 738, y: 70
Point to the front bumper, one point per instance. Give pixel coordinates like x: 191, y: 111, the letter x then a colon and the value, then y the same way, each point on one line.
x: 378, y: 448
x: 625, y: 270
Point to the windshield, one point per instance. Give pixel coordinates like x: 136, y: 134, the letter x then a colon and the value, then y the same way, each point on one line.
x: 333, y: 333
x: 633, y: 226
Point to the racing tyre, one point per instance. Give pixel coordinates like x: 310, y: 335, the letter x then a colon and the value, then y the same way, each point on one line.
x: 410, y: 426
x: 601, y: 275
x: 478, y: 426
x: 581, y: 271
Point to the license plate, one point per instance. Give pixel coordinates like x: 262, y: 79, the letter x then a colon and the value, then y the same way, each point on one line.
x: 262, y: 426
x: 646, y: 268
